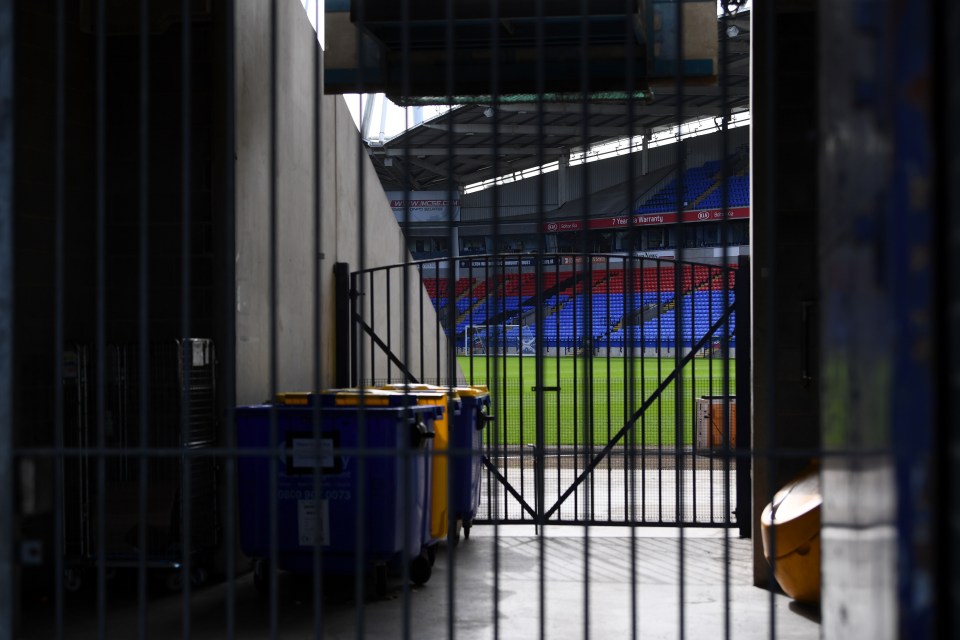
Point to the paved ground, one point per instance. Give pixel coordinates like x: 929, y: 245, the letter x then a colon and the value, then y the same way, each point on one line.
x: 647, y: 492
x: 514, y: 585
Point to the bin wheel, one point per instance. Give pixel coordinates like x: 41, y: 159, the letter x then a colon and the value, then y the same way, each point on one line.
x: 380, y: 580
x: 466, y: 531
x: 261, y: 576
x: 420, y: 569
x: 432, y: 554
x: 72, y: 580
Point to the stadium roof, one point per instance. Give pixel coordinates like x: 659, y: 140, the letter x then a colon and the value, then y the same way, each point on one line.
x: 472, y: 143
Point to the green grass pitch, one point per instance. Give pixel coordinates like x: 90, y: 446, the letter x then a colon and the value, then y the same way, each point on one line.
x: 587, y: 398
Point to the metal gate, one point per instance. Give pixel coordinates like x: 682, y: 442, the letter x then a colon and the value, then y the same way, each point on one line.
x: 613, y: 379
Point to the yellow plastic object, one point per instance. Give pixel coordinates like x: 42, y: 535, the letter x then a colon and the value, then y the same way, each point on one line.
x: 428, y: 394
x: 794, y: 515
x: 294, y: 398
x: 351, y: 397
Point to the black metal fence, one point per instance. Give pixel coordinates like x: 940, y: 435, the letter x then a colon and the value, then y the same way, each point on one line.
x: 197, y: 257
x: 637, y: 358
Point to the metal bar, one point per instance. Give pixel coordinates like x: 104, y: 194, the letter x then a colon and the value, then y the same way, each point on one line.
x: 659, y: 404
x: 492, y: 468
x: 344, y: 355
x: 389, y: 326
x: 228, y: 354
x: 541, y: 520
x: 60, y: 519
x: 744, y: 392
x: 273, y: 299
x: 186, y: 480
x: 100, y: 330
x: 764, y: 22
x: 375, y: 340
x: 372, y: 297
x: 144, y: 310
x: 9, y: 611
x: 495, y: 388
x: 678, y: 336
x: 587, y: 340
x: 405, y: 224
x: 362, y: 463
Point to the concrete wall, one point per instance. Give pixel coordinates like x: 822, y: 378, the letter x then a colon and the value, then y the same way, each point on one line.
x: 354, y: 211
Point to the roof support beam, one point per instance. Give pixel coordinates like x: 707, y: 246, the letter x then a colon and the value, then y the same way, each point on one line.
x: 415, y: 152
x: 639, y: 110
x: 670, y: 88
x: 527, y: 129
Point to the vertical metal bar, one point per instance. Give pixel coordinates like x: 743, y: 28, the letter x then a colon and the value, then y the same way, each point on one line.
x: 575, y: 418
x: 560, y: 382
x: 144, y: 310
x: 631, y: 395
x: 8, y: 589
x: 421, y: 301
x: 360, y: 561
x: 451, y: 311
x: 495, y: 387
x: 59, y: 312
x: 228, y: 354
x: 948, y: 181
x: 678, y: 335
x: 389, y: 339
x: 608, y: 322
x: 100, y: 330
x: 186, y: 463
x: 450, y: 70
x: 659, y: 378
x: 540, y: 37
x: 587, y: 340
x: 451, y: 333
x: 744, y: 403
x: 724, y: 79
x: 372, y: 296
x: 273, y: 300
x: 767, y: 73
x: 318, y: 324
x: 344, y: 352
x: 693, y: 387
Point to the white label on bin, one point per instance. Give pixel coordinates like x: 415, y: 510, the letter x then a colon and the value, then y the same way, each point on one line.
x: 305, y: 455
x: 199, y: 354
x: 313, y: 525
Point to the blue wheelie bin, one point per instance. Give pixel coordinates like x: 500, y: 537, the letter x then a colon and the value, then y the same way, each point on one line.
x: 462, y: 434
x: 439, y: 503
x: 393, y: 432
x: 466, y: 440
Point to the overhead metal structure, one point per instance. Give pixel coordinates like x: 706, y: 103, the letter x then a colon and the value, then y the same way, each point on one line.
x: 406, y: 49
x: 460, y: 144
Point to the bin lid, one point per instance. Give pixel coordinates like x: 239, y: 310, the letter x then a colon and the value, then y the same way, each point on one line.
x: 294, y: 398
x: 418, y: 388
x: 474, y: 391
x: 370, y: 397
x: 339, y: 397
x: 432, y: 392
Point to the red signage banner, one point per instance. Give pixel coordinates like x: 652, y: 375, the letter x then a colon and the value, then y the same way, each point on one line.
x: 647, y: 219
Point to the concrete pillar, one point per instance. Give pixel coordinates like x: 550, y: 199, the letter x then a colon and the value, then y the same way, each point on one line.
x: 784, y: 242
